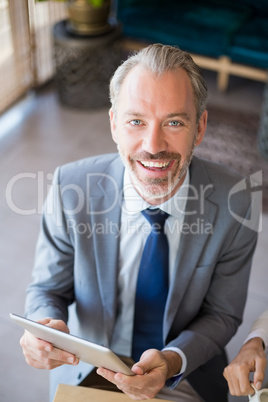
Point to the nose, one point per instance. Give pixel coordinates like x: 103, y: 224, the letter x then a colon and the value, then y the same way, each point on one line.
x: 154, y: 140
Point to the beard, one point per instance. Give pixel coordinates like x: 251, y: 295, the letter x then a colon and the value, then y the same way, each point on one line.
x: 156, y: 188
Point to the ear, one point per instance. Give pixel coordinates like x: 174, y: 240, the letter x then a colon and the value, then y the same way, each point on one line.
x: 113, y: 125
x: 201, y: 129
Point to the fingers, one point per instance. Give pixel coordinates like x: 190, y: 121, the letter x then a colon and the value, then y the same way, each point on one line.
x: 251, y: 358
x: 48, y: 360
x: 237, y: 377
x: 42, y: 360
x: 131, y: 385
x: 41, y: 354
x: 149, y: 379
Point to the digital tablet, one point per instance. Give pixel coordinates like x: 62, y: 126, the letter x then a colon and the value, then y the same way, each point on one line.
x: 91, y: 353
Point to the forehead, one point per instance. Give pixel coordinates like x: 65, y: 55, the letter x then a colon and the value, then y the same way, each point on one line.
x: 142, y: 86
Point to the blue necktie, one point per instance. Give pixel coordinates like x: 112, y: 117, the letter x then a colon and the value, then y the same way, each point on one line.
x: 152, y: 287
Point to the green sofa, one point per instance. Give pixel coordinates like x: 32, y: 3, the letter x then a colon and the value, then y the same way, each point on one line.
x: 229, y: 36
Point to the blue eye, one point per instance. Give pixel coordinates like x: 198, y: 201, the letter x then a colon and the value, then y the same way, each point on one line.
x: 174, y: 123
x: 135, y: 122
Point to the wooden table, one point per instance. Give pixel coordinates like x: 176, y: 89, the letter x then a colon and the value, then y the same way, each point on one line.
x: 70, y: 393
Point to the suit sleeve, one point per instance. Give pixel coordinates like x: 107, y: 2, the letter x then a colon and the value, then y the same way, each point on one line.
x: 222, y: 309
x: 51, y: 290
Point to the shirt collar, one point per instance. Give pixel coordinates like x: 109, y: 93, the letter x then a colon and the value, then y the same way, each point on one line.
x: 175, y: 206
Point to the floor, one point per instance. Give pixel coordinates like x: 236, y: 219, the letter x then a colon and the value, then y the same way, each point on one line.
x: 35, y: 136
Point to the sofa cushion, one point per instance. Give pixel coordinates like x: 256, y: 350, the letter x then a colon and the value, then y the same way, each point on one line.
x: 204, y: 28
x: 250, y: 44
x: 260, y: 7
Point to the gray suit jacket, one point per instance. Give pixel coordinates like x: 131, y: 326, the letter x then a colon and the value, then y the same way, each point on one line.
x: 76, y: 268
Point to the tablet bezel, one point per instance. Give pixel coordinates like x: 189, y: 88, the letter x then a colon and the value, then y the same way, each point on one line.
x: 89, y: 352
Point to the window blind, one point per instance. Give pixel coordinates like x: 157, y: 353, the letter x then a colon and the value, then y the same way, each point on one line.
x: 26, y: 56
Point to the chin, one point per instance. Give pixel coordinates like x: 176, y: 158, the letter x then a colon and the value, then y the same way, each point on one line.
x: 152, y: 191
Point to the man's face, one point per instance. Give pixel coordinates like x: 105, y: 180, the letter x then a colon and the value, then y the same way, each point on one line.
x: 155, y: 129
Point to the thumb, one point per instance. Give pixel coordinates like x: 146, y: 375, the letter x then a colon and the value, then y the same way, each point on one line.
x: 259, y: 374
x: 138, y: 369
x: 146, y: 363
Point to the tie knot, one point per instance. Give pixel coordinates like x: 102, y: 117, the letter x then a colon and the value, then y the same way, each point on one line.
x: 156, y: 218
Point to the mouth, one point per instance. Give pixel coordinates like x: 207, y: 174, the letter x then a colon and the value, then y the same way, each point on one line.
x: 155, y: 166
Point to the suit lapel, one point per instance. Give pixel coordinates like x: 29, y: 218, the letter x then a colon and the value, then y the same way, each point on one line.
x: 198, y: 223
x: 106, y: 224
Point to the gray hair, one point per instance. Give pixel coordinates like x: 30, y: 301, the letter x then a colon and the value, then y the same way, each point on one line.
x: 159, y: 59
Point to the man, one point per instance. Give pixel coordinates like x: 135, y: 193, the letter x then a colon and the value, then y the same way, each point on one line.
x: 250, y: 359
x: 158, y: 116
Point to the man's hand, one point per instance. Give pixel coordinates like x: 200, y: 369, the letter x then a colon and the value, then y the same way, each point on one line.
x: 251, y: 358
x: 152, y: 371
x: 41, y: 354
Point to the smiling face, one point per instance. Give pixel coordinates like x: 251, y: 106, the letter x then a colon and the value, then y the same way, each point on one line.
x: 155, y: 129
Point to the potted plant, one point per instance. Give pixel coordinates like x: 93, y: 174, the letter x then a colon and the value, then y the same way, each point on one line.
x: 88, y: 17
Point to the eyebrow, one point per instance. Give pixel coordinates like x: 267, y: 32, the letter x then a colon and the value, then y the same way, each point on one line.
x: 179, y: 114
x: 130, y: 114
x: 169, y: 116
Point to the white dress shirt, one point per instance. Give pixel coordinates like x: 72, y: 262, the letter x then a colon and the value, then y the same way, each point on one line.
x: 134, y: 232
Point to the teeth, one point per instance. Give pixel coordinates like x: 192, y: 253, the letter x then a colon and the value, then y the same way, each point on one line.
x: 155, y: 164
